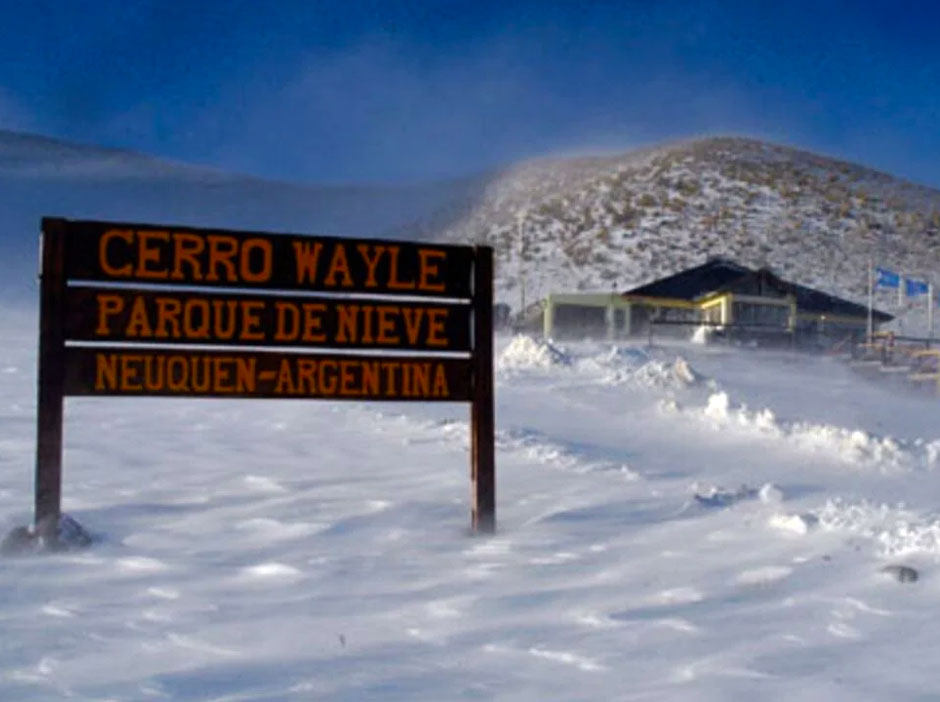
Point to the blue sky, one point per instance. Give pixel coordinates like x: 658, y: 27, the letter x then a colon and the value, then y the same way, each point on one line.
x: 390, y: 91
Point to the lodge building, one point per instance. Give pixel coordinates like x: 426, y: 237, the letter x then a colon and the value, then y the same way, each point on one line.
x: 726, y: 296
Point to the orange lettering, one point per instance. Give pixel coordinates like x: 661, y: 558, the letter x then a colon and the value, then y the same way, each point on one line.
x: 393, y: 282
x: 106, y: 371
x: 196, y: 308
x: 386, y: 330
x: 436, y: 317
x: 129, y: 379
x: 339, y: 265
x: 286, y: 330
x: 371, y: 263
x: 139, y: 324
x: 177, y: 374
x: 305, y: 369
x: 313, y: 322
x: 370, y: 378
x: 412, y: 319
x: 103, y: 260
x: 196, y: 383
x: 222, y: 249
x: 421, y: 379
x: 406, y: 379
x: 168, y: 315
x: 285, y: 382
x: 346, y: 324
x: 148, y: 251
x: 347, y: 379
x: 328, y: 382
x: 263, y: 274
x: 245, y: 374
x: 222, y: 374
x: 186, y: 247
x: 390, y: 387
x: 366, y: 337
x: 107, y: 305
x: 227, y: 330
x: 307, y: 257
x: 440, y: 388
x: 251, y: 320
x: 427, y: 269
x: 153, y: 378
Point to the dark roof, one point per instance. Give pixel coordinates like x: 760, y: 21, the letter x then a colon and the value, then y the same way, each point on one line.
x: 695, y: 282
x: 720, y: 275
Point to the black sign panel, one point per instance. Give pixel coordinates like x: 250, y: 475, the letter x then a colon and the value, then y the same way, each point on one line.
x: 231, y: 319
x: 187, y: 256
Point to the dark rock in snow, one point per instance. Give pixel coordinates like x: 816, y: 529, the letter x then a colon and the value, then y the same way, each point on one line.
x: 719, y: 497
x: 71, y: 535
x: 68, y: 535
x: 904, y: 574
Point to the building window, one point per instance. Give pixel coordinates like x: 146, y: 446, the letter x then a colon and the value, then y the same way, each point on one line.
x: 756, y: 314
x: 579, y: 321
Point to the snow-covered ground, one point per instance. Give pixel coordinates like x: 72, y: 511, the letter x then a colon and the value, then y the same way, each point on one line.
x: 679, y: 523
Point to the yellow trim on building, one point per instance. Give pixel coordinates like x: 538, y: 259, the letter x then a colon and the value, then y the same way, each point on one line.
x: 661, y: 302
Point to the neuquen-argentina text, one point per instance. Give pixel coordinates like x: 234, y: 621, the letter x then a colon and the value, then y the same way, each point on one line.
x: 209, y: 374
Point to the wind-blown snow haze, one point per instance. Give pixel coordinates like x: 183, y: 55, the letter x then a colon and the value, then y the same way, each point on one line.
x: 686, y: 521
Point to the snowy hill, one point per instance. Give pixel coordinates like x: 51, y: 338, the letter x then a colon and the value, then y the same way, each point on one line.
x: 40, y: 176
x: 620, y: 221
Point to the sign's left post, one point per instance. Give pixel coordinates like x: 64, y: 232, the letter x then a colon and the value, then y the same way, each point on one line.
x: 51, y: 380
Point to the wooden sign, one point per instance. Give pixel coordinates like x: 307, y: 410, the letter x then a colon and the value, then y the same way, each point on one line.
x: 124, y: 311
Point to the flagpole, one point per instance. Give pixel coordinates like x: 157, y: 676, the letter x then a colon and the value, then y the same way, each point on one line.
x: 871, y: 298
x: 930, y: 304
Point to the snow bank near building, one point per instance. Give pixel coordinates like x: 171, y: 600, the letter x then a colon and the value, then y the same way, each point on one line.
x: 629, y: 365
x: 526, y: 353
x: 852, y: 446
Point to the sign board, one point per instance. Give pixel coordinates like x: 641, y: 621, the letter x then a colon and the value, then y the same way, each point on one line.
x: 144, y: 310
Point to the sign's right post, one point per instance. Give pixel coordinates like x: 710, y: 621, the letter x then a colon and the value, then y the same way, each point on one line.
x: 482, y: 419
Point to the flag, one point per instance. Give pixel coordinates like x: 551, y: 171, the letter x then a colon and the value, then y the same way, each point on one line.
x: 887, y: 278
x: 913, y: 288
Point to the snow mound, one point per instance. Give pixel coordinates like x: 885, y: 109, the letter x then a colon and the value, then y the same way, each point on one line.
x: 628, y: 365
x: 770, y: 494
x: 896, y: 531
x: 794, y: 523
x: 526, y: 353
x: 852, y: 446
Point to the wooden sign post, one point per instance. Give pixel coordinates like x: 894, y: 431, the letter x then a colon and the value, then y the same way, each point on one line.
x: 103, y: 334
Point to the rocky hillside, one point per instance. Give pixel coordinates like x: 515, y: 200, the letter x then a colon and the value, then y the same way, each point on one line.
x: 614, y: 222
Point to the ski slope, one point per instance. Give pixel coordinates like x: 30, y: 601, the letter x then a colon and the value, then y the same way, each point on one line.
x: 684, y: 522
